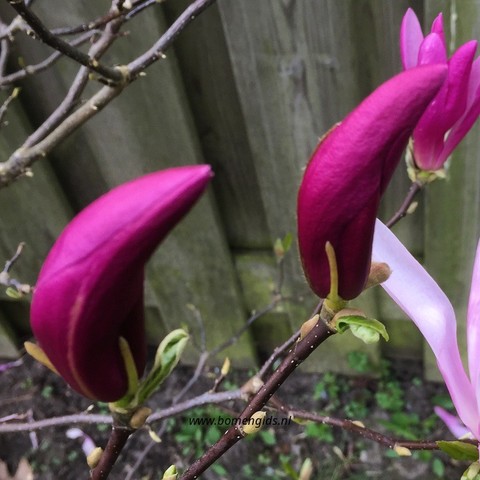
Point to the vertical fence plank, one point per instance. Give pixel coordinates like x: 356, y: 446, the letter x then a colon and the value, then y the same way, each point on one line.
x: 453, y: 206
x: 254, y: 87
x: 148, y: 128
x: 294, y: 78
x: 33, y: 210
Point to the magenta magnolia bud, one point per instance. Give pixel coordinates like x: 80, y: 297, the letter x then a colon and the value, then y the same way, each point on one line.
x: 455, y: 108
x: 348, y: 173
x: 90, y: 289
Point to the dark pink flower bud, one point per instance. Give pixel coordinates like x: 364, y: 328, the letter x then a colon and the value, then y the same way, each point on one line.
x: 90, y: 289
x: 348, y: 173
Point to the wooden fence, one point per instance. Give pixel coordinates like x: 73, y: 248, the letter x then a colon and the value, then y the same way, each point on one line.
x: 249, y: 88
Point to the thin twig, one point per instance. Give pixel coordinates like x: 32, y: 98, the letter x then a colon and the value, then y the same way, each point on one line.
x: 43, y: 65
x: 87, y: 418
x: 117, y: 440
x: 20, y: 162
x: 157, y: 50
x: 6, y: 103
x: 357, y: 428
x: 113, y: 74
x: 277, y: 352
x: 415, y: 187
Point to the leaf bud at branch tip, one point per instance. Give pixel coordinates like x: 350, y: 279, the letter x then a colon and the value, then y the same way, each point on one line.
x: 308, y: 325
x: 379, y: 273
x: 225, y: 367
x: 139, y: 417
x: 94, y: 457
x: 170, y: 473
x: 402, y: 451
x: 255, y: 423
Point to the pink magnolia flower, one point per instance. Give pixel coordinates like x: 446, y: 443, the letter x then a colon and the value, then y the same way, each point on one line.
x: 90, y: 289
x: 419, y: 296
x: 348, y: 173
x: 455, y: 108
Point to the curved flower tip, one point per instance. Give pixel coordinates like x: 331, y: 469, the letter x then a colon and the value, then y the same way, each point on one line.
x: 348, y: 173
x: 455, y: 108
x: 89, y: 293
x: 453, y: 423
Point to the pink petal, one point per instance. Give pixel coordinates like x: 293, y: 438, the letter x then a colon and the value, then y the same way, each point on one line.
x: 452, y: 422
x: 419, y: 296
x: 463, y: 126
x: 473, y: 326
x: 411, y: 37
x: 432, y: 50
x: 437, y: 27
x: 446, y: 109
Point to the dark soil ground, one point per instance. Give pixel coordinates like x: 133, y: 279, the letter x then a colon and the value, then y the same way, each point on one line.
x: 398, y: 403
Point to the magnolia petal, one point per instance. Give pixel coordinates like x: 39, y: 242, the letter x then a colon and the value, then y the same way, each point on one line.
x: 463, y: 126
x: 473, y: 326
x: 437, y: 27
x: 432, y: 50
x: 419, y: 296
x: 411, y: 37
x: 452, y: 422
x: 445, y: 110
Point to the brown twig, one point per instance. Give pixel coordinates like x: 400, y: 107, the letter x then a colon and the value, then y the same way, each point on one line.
x: 117, y: 440
x: 415, y: 187
x: 113, y: 74
x: 300, y: 351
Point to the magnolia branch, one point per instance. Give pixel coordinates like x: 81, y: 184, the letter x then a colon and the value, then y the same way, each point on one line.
x: 65, y: 48
x: 20, y: 162
x: 300, y: 352
x: 88, y: 418
x: 414, y: 189
x: 43, y: 65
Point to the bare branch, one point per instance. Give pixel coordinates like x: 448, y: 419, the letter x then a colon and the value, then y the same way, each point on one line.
x: 113, y: 74
x: 6, y: 103
x: 41, y: 66
x: 87, y: 418
x: 157, y: 51
x: 60, y: 125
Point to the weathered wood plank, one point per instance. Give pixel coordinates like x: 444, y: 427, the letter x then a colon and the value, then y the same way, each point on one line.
x: 210, y: 86
x: 307, y: 64
x: 148, y: 128
x: 453, y: 206
x: 32, y: 210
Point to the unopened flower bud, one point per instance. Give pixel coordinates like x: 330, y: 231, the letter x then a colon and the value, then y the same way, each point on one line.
x: 255, y: 423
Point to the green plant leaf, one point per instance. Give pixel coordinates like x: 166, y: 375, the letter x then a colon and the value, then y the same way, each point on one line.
x: 368, y: 330
x: 459, y: 450
x: 168, y: 355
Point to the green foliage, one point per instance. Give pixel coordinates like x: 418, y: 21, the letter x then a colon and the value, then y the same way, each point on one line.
x: 359, y: 362
x: 319, y: 431
x: 268, y: 437
x: 390, y: 396
x: 47, y: 391
x: 459, y: 450
x: 168, y: 355
x: 438, y: 468
x: 368, y: 330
